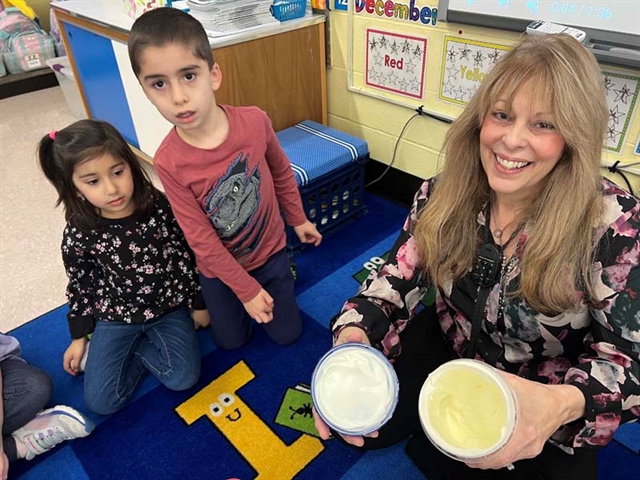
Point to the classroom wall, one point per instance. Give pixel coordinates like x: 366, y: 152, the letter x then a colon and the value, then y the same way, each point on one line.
x: 379, y: 122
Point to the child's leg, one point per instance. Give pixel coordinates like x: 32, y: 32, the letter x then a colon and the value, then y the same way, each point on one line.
x: 25, y: 391
x: 170, y: 350
x: 113, y: 369
x: 276, y: 278
x: 230, y: 323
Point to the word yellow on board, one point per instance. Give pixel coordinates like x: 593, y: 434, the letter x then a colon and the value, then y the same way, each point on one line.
x: 475, y: 75
x: 400, y: 11
x: 220, y: 403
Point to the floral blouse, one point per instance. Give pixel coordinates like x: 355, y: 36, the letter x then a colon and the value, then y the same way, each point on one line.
x: 129, y: 270
x: 597, y: 349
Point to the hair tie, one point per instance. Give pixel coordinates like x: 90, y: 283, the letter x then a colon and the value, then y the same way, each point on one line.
x: 52, y: 134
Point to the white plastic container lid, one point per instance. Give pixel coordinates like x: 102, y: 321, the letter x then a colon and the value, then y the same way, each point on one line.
x: 354, y: 389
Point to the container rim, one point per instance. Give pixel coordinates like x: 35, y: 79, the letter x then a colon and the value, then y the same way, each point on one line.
x: 489, y: 372
x: 393, y: 378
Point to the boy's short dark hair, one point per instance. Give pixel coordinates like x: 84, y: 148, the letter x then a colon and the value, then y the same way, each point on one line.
x: 164, y: 25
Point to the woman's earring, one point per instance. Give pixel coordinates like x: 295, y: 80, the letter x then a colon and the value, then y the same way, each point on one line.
x: 82, y: 199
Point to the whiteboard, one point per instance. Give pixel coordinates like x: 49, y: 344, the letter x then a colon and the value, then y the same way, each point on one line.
x: 619, y: 15
x: 613, y: 23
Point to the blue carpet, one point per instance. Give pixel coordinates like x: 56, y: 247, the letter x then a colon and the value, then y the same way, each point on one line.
x: 174, y: 435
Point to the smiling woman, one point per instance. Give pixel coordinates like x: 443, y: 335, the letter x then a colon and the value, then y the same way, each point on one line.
x: 519, y: 147
x: 534, y: 260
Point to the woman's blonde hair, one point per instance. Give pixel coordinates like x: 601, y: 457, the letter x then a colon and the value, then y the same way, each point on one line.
x: 561, y: 218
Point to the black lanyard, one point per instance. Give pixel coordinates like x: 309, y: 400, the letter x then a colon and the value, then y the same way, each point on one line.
x: 485, y: 274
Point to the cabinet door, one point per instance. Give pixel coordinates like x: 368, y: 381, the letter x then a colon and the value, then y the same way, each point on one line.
x: 100, y: 79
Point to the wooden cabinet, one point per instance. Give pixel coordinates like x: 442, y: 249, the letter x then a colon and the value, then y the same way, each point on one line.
x: 280, y: 69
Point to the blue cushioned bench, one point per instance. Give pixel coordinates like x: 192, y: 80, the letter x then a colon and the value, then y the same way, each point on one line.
x: 329, y: 168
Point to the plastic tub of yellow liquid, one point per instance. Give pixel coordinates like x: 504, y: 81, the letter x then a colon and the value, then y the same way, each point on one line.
x: 467, y: 410
x: 354, y: 389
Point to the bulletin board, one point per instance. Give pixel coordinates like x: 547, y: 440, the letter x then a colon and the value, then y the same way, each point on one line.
x: 388, y: 55
x: 410, y: 63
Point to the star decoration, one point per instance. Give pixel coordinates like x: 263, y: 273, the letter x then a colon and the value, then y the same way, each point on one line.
x: 392, y: 78
x: 447, y: 89
x: 464, y: 52
x: 622, y: 94
x: 612, y: 133
x: 452, y: 72
x: 615, y: 115
x: 478, y: 58
x: 410, y: 66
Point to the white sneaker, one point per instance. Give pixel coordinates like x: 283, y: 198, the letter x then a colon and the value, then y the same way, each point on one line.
x: 51, y: 427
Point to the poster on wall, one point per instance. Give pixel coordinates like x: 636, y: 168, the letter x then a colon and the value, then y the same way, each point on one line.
x: 622, y: 96
x: 464, y: 65
x: 395, y: 62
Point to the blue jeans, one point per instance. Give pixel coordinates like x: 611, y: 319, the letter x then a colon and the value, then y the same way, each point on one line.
x: 122, y: 354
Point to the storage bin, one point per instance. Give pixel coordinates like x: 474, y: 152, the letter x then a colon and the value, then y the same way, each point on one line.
x: 68, y: 84
x: 288, y: 9
x: 329, y: 168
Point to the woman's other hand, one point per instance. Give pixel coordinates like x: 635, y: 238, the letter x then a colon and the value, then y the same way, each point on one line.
x: 325, y: 433
x: 347, y: 335
x: 352, y: 335
x: 542, y: 409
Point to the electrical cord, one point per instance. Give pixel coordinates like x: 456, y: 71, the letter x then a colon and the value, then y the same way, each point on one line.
x: 419, y: 113
x: 615, y: 169
x: 395, y: 148
x: 622, y: 167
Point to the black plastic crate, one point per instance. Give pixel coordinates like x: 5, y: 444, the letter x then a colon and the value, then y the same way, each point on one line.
x: 331, y: 201
x: 329, y: 168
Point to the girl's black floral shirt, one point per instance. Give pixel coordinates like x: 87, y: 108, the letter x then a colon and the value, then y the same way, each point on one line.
x: 129, y: 270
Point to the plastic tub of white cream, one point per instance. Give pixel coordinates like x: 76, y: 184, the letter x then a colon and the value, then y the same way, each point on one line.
x: 467, y: 410
x: 354, y: 389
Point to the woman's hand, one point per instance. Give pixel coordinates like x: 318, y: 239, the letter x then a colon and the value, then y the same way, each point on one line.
x: 542, y: 409
x: 260, y: 307
x: 73, y: 355
x: 325, y: 433
x: 4, y: 465
x: 347, y: 335
x: 352, y: 335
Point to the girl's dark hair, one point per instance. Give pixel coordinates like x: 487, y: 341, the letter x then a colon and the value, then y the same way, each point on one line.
x: 82, y: 141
